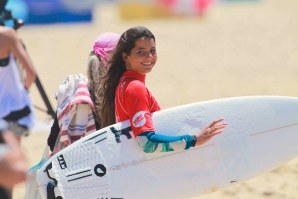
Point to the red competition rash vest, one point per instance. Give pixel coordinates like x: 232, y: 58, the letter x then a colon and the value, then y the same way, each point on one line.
x: 135, y: 102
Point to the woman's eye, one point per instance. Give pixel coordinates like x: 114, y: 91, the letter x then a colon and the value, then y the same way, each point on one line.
x: 141, y: 52
x: 144, y: 53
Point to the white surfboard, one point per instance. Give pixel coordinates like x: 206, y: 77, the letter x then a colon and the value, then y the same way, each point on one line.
x: 262, y: 133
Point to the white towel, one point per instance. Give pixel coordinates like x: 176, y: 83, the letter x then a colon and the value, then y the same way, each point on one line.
x: 74, y: 111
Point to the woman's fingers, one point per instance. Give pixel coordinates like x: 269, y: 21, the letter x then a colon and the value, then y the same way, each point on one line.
x: 215, y: 122
x: 213, y: 129
x: 218, y: 127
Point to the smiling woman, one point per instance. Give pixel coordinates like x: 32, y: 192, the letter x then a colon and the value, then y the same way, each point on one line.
x: 127, y: 96
x: 142, y: 57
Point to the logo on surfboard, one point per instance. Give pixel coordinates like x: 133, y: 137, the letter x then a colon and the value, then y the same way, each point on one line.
x: 100, y: 170
x: 118, y: 133
x: 62, y: 162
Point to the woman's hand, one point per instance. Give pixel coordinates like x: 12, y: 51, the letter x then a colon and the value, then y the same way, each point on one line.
x: 209, y: 132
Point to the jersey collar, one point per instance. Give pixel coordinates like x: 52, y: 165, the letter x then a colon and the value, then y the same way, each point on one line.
x: 139, y: 76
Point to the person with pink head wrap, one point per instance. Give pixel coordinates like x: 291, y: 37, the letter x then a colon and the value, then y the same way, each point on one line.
x: 98, y: 65
x: 103, y: 45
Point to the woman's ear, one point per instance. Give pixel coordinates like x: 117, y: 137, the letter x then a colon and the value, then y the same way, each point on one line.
x: 124, y: 56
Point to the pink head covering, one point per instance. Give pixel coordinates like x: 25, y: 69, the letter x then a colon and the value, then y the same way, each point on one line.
x: 105, y: 43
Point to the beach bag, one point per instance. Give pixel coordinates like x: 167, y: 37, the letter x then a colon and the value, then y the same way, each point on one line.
x: 31, y: 187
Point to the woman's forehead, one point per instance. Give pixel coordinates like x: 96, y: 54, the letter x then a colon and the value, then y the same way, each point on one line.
x: 145, y: 42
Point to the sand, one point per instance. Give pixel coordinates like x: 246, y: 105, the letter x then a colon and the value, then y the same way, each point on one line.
x: 236, y: 50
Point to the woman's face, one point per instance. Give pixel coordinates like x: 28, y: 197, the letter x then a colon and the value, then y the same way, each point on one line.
x: 142, y: 57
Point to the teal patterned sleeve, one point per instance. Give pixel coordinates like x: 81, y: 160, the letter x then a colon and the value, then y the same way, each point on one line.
x: 149, y: 141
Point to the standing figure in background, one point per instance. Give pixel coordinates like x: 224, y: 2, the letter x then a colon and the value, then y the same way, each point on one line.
x: 13, y: 165
x: 81, y: 99
x: 98, y: 66
x: 15, y: 103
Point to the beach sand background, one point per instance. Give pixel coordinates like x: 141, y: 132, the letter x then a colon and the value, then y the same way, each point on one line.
x: 237, y: 49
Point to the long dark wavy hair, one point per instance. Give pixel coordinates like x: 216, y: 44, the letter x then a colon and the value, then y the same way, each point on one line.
x: 117, y: 68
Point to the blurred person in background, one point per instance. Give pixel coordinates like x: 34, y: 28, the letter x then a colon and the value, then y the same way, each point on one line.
x: 79, y: 89
x: 98, y: 66
x: 13, y: 166
x: 15, y: 103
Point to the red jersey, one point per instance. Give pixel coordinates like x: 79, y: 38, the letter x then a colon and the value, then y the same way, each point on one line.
x: 135, y: 102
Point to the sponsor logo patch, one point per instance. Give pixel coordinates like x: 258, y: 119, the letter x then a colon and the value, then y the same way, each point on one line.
x: 139, y: 119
